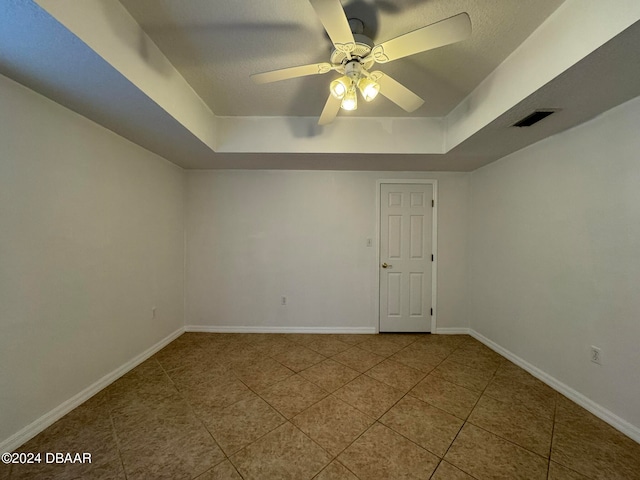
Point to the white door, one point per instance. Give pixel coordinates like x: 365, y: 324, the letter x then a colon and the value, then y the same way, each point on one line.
x: 405, y: 257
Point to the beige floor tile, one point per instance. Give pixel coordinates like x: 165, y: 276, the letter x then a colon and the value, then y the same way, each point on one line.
x: 558, y: 472
x: 302, y: 338
x: 420, y: 356
x: 514, y: 423
x: 185, y: 457
x: 260, y: 376
x: 403, y: 339
x: 151, y: 366
x: 332, y: 424
x: 540, y: 400
x: 463, y: 375
x: 381, y: 345
x: 327, y: 345
x: 445, y: 395
x: 81, y: 426
x: 481, y: 351
x: 103, y: 449
x: 478, y: 361
x: 358, y: 359
x: 195, y: 374
x: 177, y: 355
x: 104, y: 471
x: 329, y: 375
x: 484, y: 455
x: 293, y: 395
x: 84, y: 429
x: 210, y: 396
x: 517, y: 374
x: 352, y: 339
x: 137, y: 425
x: 265, y: 338
x: 273, y: 345
x: 470, y: 341
x: 238, y: 356
x: 136, y: 388
x: 428, y: 426
x: 369, y: 396
x: 335, y: 471
x: 570, y: 413
x: 214, y: 341
x: 446, y: 471
x: 451, y: 342
x: 160, y: 419
x: 297, y: 357
x: 239, y: 424
x: 396, y: 375
x: 285, y: 453
x: 382, y: 454
x: 596, y: 451
x: 222, y: 471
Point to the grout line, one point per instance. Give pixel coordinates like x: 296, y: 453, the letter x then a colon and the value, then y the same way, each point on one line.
x: 394, y: 404
x: 115, y: 435
x: 493, y: 433
x: 465, y: 421
x: 553, y: 428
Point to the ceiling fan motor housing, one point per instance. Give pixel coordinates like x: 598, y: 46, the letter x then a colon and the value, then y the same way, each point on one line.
x: 363, y: 48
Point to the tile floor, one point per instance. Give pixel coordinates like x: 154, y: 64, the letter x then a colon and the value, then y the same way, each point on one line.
x: 331, y: 407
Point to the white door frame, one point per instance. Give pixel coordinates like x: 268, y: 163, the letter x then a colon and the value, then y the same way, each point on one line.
x: 434, y: 245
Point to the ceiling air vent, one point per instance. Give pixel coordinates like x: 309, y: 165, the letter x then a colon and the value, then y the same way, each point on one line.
x: 535, y: 117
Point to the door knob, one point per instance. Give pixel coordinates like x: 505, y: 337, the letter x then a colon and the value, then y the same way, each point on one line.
x: 385, y: 265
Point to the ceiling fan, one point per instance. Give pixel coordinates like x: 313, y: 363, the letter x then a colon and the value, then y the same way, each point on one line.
x: 354, y: 54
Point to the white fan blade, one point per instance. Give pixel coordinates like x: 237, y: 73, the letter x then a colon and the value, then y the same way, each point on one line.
x: 335, y: 22
x: 445, y: 32
x: 396, y: 92
x: 330, y: 111
x: 293, y: 72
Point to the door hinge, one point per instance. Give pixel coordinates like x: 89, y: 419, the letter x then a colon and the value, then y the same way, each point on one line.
x: 432, y: 312
x: 433, y: 203
x: 432, y: 257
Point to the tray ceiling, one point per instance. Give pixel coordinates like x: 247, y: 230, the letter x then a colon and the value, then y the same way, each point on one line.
x: 173, y: 77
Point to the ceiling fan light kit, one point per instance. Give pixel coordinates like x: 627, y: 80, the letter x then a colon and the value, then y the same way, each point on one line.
x: 350, y: 100
x: 368, y: 89
x: 354, y: 55
x: 344, y: 88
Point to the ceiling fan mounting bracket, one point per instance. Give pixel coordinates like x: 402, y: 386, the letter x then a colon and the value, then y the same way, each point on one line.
x: 356, y: 25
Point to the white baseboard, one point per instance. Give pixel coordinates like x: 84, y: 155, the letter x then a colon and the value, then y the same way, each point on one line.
x: 598, y: 410
x: 48, y: 419
x: 237, y: 329
x: 452, y: 331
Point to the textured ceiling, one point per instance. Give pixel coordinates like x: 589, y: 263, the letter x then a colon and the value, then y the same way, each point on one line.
x: 217, y: 44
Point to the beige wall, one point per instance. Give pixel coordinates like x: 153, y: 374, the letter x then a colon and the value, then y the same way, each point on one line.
x: 254, y: 236
x: 91, y: 238
x: 554, y: 244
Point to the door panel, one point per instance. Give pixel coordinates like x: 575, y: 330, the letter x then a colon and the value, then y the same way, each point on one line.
x: 405, y: 250
x: 393, y: 295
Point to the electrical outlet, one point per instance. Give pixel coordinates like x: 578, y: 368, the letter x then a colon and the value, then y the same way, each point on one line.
x: 369, y: 242
x: 153, y: 312
x: 283, y: 301
x: 596, y: 355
